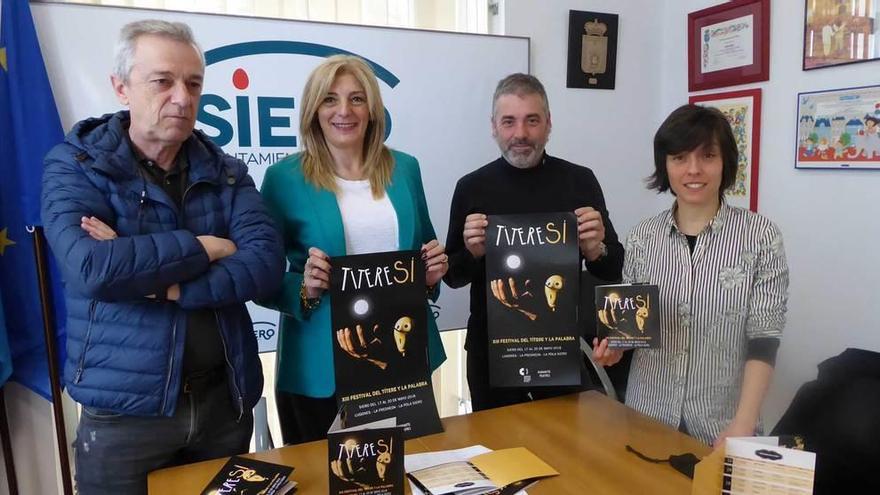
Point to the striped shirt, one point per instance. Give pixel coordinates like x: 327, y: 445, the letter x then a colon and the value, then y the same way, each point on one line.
x: 732, y: 289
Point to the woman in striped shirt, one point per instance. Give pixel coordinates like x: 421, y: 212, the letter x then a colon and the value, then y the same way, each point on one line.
x: 723, y: 284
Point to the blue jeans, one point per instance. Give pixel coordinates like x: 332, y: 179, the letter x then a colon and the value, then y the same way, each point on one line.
x: 115, y: 452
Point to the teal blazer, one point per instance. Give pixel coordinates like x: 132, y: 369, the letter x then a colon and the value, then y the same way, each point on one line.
x: 309, y: 217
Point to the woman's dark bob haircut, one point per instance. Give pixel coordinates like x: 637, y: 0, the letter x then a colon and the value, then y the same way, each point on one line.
x: 687, y: 128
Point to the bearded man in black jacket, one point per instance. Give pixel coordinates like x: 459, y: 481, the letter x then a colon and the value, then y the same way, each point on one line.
x: 525, y: 179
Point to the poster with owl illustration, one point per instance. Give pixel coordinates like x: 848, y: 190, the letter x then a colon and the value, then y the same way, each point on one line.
x: 366, y: 461
x: 628, y: 315
x: 379, y: 319
x: 532, y: 269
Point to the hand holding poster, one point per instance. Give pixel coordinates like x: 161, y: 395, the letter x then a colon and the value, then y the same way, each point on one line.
x: 380, y: 325
x: 532, y: 264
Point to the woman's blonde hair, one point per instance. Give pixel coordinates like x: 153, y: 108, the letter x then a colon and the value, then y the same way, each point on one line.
x: 317, y: 162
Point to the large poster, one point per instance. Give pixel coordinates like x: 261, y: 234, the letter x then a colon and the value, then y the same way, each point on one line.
x: 380, y: 352
x: 532, y: 269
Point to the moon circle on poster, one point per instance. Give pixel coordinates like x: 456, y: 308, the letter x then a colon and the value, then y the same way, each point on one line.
x: 361, y: 306
x: 513, y: 262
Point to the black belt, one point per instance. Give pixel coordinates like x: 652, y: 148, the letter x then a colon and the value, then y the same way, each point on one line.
x: 202, y: 380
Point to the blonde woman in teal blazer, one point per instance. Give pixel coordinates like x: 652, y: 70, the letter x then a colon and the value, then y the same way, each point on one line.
x: 342, y: 127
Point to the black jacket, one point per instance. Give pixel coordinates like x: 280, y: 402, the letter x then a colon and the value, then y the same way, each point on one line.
x: 838, y: 414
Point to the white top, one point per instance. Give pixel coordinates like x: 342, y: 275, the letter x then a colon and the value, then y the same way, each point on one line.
x: 370, y: 225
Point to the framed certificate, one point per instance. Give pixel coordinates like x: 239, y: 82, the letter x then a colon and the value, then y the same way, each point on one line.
x: 743, y: 111
x: 837, y: 33
x: 839, y: 129
x: 729, y: 44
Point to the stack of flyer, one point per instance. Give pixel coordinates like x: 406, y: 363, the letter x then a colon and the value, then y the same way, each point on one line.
x: 475, y: 471
x: 366, y: 460
x: 753, y: 466
x: 241, y: 475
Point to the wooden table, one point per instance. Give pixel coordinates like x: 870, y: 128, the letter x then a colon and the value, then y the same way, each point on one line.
x: 583, y: 436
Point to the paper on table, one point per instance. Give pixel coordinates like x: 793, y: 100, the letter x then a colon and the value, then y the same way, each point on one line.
x: 414, y: 462
x: 507, y: 466
x: 755, y: 465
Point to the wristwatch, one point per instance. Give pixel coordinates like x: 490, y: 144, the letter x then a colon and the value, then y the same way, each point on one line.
x: 603, y: 252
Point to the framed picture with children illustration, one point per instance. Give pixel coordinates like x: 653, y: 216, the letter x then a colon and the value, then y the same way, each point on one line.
x: 839, y: 129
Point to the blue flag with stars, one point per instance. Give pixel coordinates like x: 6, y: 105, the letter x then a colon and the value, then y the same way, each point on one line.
x: 29, y: 127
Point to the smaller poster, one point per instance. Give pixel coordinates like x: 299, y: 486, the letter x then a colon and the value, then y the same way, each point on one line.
x: 366, y: 461
x: 242, y: 475
x: 628, y: 315
x: 379, y: 316
x: 532, y: 265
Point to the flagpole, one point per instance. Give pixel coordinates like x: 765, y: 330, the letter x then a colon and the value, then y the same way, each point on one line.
x: 52, y: 353
x: 6, y: 439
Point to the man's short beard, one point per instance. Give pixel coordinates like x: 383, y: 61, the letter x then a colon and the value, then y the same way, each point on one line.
x: 520, y: 161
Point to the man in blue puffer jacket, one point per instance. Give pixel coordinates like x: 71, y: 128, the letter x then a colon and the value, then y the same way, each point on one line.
x: 161, y: 238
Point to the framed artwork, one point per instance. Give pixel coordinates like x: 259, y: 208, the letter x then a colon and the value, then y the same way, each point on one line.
x: 743, y: 111
x: 592, y: 49
x: 838, y: 32
x: 729, y: 44
x: 839, y: 129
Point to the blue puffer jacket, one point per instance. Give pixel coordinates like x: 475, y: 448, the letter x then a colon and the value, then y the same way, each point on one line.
x: 124, y: 350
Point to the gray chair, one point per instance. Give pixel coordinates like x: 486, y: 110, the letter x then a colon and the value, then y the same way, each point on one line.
x: 599, y: 369
x: 262, y: 436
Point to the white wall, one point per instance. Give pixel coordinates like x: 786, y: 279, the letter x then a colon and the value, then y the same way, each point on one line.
x: 609, y: 131
x: 827, y: 217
